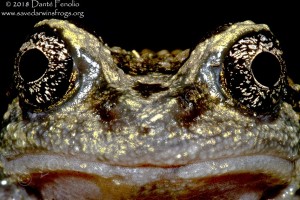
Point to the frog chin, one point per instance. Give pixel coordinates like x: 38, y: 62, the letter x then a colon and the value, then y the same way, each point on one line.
x: 64, y: 177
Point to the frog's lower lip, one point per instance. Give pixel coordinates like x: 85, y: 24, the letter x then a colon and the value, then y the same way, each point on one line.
x: 260, y: 172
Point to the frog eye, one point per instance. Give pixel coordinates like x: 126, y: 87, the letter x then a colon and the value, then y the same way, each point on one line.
x: 43, y: 68
x: 254, y: 73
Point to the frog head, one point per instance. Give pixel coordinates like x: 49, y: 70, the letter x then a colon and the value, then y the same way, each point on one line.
x: 220, y: 120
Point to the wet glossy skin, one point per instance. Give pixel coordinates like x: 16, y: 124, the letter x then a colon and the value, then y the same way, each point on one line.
x: 96, y: 124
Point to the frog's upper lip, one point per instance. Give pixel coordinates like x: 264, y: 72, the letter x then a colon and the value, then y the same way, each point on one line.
x: 257, y: 164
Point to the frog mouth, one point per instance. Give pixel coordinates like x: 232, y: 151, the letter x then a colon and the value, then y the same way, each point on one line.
x: 250, y: 177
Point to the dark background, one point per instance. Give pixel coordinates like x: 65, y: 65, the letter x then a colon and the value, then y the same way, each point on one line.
x: 154, y: 25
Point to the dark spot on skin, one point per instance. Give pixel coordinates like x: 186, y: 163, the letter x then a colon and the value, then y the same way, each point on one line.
x: 144, y: 130
x: 193, y: 101
x: 105, y: 103
x: 147, y: 89
x: 105, y: 112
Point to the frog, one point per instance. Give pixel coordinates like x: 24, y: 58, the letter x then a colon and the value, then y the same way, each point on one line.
x: 90, y: 121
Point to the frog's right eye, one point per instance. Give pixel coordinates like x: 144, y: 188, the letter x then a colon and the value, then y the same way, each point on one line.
x: 43, y: 70
x: 254, y: 72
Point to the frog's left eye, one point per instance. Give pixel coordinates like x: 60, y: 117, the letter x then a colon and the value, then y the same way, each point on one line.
x: 254, y: 72
x: 43, y: 70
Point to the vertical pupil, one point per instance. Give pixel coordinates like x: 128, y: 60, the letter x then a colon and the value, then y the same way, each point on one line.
x: 33, y: 65
x: 266, y: 69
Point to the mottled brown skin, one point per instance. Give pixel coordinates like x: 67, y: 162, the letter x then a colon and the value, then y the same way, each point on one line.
x: 103, y: 123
